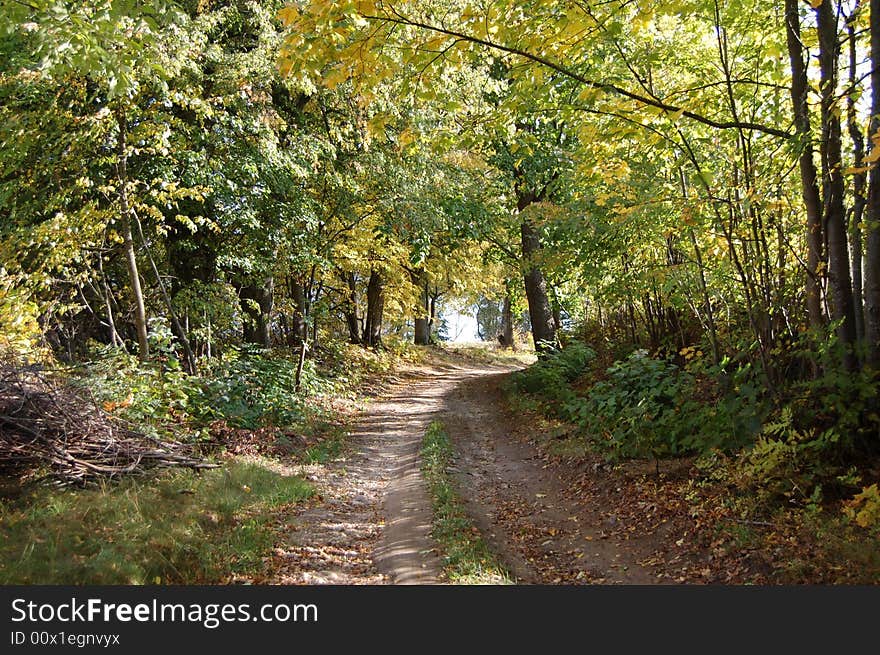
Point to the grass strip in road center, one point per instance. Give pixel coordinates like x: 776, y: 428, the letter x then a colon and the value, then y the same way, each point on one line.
x: 467, y: 558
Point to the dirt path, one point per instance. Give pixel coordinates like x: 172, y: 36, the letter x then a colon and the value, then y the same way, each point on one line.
x: 527, y: 512
x: 371, y: 522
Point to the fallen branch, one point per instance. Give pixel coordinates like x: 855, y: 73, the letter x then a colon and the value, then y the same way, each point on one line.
x: 45, y: 425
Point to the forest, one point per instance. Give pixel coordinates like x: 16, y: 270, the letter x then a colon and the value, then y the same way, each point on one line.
x: 234, y: 235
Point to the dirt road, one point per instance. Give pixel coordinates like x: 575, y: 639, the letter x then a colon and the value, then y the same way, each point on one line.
x: 371, y: 522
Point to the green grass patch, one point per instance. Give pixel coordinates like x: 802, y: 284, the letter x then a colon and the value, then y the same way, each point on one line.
x: 331, y: 446
x: 176, y: 527
x: 468, y: 559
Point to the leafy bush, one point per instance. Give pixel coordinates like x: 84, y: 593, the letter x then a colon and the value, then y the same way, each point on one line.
x: 250, y: 388
x: 19, y: 322
x: 785, y: 464
x: 642, y: 408
x: 551, y: 376
x: 651, y: 407
x: 154, y: 397
x: 645, y: 406
x: 864, y: 508
x: 821, y: 431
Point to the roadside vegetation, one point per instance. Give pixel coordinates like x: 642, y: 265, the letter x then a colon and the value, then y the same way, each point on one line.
x: 175, y: 527
x: 788, y: 475
x: 240, y: 418
x: 467, y: 558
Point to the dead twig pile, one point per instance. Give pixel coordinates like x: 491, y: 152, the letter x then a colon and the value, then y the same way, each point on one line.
x: 45, y: 425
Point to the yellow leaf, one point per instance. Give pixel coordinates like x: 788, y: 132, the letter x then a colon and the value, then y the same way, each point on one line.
x: 815, y: 4
x: 287, y: 15
x: 376, y: 126
x: 366, y: 7
x: 872, y: 156
x: 335, y: 77
x: 406, y: 137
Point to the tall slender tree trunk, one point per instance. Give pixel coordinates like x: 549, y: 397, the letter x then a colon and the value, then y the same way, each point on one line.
x: 808, y: 173
x: 540, y: 311
x: 350, y: 309
x: 372, y: 336
x: 859, y: 184
x: 107, y: 297
x: 833, y: 188
x: 176, y: 327
x: 298, y: 332
x: 422, y: 336
x: 433, y: 299
x: 555, y: 309
x: 507, y: 323
x: 704, y: 287
x: 140, y: 312
x: 872, y: 237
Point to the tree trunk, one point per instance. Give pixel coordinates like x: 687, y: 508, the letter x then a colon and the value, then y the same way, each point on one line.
x: 859, y: 184
x: 298, y: 323
x: 350, y: 309
x: 140, y: 313
x: 833, y: 188
x: 540, y: 312
x: 507, y: 323
x: 872, y: 239
x: 257, y: 328
x: 300, y: 364
x: 372, y: 336
x: 556, y: 309
x: 422, y: 336
x: 809, y: 184
x: 107, y: 297
x: 704, y: 287
x: 176, y: 327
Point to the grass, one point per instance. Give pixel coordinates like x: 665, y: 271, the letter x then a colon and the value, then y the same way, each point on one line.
x: 331, y: 446
x: 176, y: 527
x: 468, y: 559
x: 490, y: 353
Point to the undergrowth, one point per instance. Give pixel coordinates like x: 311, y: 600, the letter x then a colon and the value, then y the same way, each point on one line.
x: 176, y: 526
x: 800, y: 450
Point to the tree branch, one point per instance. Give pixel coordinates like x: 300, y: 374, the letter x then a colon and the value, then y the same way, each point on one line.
x: 593, y: 84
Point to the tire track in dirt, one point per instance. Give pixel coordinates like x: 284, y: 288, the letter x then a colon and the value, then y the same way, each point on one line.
x: 522, y: 507
x: 371, y: 520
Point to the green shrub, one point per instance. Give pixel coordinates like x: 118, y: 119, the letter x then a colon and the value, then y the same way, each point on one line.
x: 820, y: 433
x: 646, y: 406
x: 650, y: 407
x: 250, y: 388
x: 153, y: 397
x: 640, y: 409
x: 550, y: 377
